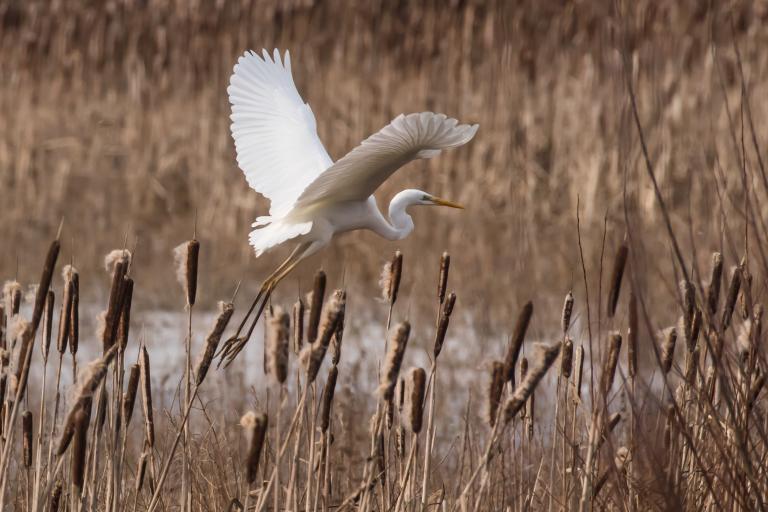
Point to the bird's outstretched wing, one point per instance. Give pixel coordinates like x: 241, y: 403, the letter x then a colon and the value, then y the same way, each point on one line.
x: 360, y: 172
x: 274, y: 130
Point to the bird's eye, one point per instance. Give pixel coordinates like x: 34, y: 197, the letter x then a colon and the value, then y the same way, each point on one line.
x: 426, y: 198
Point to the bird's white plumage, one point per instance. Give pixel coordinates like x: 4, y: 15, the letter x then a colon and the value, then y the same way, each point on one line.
x: 282, y: 157
x: 360, y: 172
x: 274, y: 130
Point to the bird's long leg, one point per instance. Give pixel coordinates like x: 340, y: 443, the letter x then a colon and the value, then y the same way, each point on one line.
x: 263, y: 289
x: 236, y: 343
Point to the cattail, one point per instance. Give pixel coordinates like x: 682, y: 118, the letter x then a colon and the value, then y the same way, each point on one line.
x: 544, y: 358
x: 754, y: 390
x: 141, y: 470
x: 523, y: 373
x: 256, y: 430
x: 129, y: 398
x: 26, y: 429
x: 45, y: 347
x: 689, y: 303
x: 579, y: 367
x: 693, y: 340
x: 669, y: 427
x: 566, y: 358
x: 414, y: 399
x: 226, y: 309
x: 56, y: 496
x: 12, y: 295
x: 733, y: 294
x: 185, y: 257
x: 443, y: 321
x: 608, y: 428
x: 632, y: 332
x: 691, y: 366
x: 3, y: 343
x: 79, y: 447
x: 389, y: 282
x: 442, y: 283
x: 745, y: 296
x: 312, y: 356
x: 278, y: 331
x: 565, y: 321
x: 146, y: 396
x: 66, y: 309
x: 124, y: 322
x: 516, y: 343
x: 611, y: 361
x: 616, y: 275
x: 338, y: 334
x: 495, y: 389
x: 114, y: 305
x: 316, y: 306
x: 668, y: 349
x: 101, y: 410
x: 45, y: 283
x: 716, y: 278
x: 27, y: 337
x: 298, y: 326
x: 74, y: 315
x: 394, y: 360
x: 330, y: 387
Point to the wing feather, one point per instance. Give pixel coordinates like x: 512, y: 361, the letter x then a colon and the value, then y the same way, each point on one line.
x: 275, y: 132
x: 361, y: 171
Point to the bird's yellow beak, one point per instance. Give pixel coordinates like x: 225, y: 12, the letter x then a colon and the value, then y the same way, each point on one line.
x: 444, y: 202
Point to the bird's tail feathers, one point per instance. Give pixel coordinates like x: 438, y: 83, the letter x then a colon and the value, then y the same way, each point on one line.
x: 274, y: 233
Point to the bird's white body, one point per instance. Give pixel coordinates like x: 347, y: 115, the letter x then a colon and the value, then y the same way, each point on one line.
x: 312, y: 197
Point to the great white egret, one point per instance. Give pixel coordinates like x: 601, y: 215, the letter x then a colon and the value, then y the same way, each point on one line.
x: 313, y: 198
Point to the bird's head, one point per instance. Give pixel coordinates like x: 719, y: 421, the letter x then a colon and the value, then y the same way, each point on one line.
x: 412, y: 197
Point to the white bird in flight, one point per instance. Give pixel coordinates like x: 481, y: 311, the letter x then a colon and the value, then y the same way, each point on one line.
x: 312, y: 197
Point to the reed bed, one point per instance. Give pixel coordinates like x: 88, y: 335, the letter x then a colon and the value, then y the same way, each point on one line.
x: 563, y: 423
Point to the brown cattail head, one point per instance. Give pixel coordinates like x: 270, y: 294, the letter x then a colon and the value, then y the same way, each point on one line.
x: 617, y: 274
x: 316, y: 306
x: 691, y: 366
x: 278, y: 331
x: 141, y: 471
x: 442, y: 283
x: 312, y: 355
x: 45, y: 347
x: 330, y: 387
x: 79, y: 447
x: 745, y: 297
x: 567, y: 312
x: 715, y: 281
x: 26, y: 430
x: 566, y: 358
x: 668, y: 349
x: 495, y: 389
x: 338, y: 334
x: 12, y: 296
x: 754, y: 390
x: 394, y: 359
x: 74, y: 315
x: 255, y: 426
x: 443, y: 321
x: 610, y: 363
x: 693, y: 338
x: 298, y: 326
x: 733, y: 294
x: 186, y: 256
x: 27, y: 336
x: 389, y: 282
x: 45, y: 283
x: 129, y: 399
x: 544, y: 356
x: 56, y: 496
x: 120, y: 260
x: 146, y: 395
x: 516, y: 343
x: 523, y: 373
x: 226, y: 309
x: 124, y: 322
x: 688, y: 294
x: 66, y: 309
x: 101, y: 410
x: 632, y: 331
x: 414, y: 399
x: 3, y: 343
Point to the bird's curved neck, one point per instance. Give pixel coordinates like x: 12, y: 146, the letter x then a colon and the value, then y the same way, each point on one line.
x: 400, y: 224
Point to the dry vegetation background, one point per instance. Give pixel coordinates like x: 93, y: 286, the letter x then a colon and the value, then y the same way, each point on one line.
x: 115, y: 118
